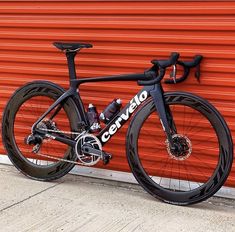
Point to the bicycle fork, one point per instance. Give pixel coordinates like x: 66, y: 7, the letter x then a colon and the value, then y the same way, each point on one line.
x: 164, y: 113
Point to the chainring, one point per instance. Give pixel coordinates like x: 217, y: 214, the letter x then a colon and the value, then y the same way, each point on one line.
x: 88, y: 140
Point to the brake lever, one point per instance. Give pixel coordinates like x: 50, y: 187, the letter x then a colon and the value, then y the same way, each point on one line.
x: 173, y: 73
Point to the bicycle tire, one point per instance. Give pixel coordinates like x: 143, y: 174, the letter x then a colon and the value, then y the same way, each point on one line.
x: 50, y: 91
x: 147, y: 175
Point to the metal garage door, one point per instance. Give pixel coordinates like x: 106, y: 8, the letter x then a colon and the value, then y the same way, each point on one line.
x: 126, y: 35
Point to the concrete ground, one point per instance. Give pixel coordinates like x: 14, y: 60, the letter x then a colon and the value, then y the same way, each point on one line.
x: 76, y: 203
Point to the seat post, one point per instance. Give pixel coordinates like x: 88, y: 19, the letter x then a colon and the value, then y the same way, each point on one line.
x: 71, y: 64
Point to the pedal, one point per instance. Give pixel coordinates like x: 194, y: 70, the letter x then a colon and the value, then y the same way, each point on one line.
x: 106, y: 157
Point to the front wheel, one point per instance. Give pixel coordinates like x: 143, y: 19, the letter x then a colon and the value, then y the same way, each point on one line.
x: 202, y: 162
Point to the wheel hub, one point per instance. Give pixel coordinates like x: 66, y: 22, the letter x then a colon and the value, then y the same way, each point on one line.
x: 182, y: 147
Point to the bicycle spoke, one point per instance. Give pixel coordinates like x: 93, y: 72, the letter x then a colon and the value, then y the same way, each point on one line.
x: 180, y: 173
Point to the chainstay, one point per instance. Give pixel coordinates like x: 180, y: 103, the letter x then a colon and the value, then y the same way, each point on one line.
x: 61, y: 132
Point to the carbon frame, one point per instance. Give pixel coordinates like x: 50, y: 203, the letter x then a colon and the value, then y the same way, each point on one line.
x: 155, y: 91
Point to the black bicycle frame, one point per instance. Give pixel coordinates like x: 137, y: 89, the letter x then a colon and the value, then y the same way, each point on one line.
x: 155, y: 91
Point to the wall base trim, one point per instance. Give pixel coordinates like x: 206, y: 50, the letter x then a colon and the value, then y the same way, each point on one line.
x: 226, y: 192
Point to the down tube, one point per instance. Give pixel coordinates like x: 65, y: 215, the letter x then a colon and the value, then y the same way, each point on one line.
x: 122, y: 117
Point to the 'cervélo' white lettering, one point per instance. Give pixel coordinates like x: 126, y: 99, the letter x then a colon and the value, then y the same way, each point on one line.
x: 134, y: 103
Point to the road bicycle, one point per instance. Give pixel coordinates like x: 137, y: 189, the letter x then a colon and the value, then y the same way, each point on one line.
x: 178, y: 146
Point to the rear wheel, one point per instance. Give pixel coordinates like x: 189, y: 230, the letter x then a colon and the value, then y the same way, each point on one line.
x: 203, y: 158
x: 22, y: 111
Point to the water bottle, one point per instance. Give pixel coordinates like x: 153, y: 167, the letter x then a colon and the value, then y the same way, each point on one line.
x: 111, y: 110
x: 93, y: 118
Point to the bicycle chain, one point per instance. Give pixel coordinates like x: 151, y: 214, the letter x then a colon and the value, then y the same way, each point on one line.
x: 60, y: 159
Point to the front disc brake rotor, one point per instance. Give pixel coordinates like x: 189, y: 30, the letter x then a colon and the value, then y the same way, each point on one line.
x: 183, y: 145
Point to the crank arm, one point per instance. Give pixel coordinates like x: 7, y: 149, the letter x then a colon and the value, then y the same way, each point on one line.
x: 92, y: 151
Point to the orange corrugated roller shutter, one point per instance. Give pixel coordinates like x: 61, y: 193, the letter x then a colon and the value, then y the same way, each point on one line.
x: 126, y: 35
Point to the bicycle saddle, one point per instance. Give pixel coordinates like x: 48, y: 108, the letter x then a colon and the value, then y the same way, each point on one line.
x: 71, y: 46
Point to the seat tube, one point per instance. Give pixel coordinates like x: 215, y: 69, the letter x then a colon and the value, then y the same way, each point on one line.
x: 71, y: 64
x: 157, y: 94
x: 73, y: 85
